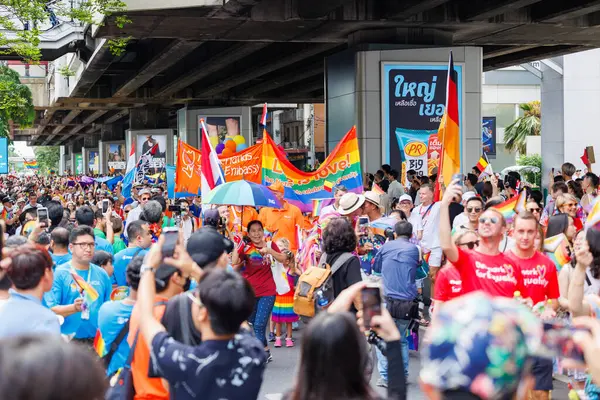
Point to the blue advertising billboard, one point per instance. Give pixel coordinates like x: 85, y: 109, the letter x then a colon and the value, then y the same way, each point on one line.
x: 488, y: 135
x: 3, y: 155
x: 413, y: 103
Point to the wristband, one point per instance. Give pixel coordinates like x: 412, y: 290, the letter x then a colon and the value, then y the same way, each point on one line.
x: 146, y: 268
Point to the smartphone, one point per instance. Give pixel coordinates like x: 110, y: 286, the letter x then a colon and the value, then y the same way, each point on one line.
x: 105, y: 206
x: 557, y: 341
x: 460, y: 178
x: 363, y: 224
x: 371, y: 302
x: 175, y: 209
x: 42, y: 213
x: 171, y: 236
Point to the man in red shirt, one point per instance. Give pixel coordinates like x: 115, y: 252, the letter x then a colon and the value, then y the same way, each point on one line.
x: 540, y: 283
x: 484, y: 268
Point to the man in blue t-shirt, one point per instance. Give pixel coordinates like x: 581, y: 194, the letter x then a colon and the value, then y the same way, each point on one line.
x: 114, y: 316
x: 85, y: 217
x: 68, y: 296
x: 139, y: 240
x: 59, y: 245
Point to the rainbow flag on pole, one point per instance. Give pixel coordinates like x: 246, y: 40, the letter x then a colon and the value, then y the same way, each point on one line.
x: 91, y: 295
x: 377, y: 189
x: 99, y: 344
x: 31, y: 164
x: 593, y: 217
x: 507, y: 209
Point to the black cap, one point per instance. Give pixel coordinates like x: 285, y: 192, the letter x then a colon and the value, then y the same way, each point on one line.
x: 7, y: 199
x: 206, y: 245
x: 211, y: 217
x: 163, y: 274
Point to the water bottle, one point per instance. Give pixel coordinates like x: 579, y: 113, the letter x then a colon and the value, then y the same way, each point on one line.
x: 321, y: 300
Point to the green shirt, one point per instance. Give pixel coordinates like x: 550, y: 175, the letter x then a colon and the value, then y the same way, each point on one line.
x: 118, y: 244
x: 168, y: 222
x: 99, y: 233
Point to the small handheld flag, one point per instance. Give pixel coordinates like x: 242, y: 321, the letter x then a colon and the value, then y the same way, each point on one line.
x: 507, y: 209
x: 90, y: 294
x: 377, y: 189
x: 482, y: 163
x: 594, y: 215
x: 328, y: 186
x: 557, y: 249
x: 263, y: 118
x: 521, y: 202
x: 99, y: 344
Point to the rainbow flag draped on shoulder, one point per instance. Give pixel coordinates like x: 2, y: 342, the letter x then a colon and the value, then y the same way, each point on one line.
x: 341, y: 167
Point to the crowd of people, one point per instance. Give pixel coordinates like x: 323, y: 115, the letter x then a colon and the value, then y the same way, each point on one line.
x: 144, y: 297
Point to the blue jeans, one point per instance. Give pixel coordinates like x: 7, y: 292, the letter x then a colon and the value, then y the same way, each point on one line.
x: 382, y: 363
x: 260, y: 317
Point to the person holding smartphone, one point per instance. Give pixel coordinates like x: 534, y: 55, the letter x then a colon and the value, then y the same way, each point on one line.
x: 397, y: 262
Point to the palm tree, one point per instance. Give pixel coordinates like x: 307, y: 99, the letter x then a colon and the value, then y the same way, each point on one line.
x: 515, y: 135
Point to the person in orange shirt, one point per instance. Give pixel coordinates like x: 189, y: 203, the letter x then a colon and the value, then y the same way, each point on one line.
x: 239, y: 217
x: 169, y: 282
x: 282, y: 220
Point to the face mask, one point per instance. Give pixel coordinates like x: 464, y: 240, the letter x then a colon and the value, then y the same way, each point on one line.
x: 187, y: 285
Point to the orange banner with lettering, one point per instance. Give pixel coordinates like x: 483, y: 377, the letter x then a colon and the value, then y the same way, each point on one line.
x: 247, y: 164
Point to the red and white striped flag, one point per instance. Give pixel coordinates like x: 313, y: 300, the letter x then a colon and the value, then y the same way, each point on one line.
x: 263, y: 118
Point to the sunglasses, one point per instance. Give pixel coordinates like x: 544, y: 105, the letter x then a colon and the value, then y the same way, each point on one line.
x: 470, y: 245
x: 532, y: 210
x: 473, y: 209
x: 492, y: 220
x: 571, y: 204
x: 145, y: 198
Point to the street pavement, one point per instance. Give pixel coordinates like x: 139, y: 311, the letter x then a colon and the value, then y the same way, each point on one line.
x: 280, y: 373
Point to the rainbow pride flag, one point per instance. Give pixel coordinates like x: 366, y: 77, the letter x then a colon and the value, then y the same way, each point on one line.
x: 557, y: 248
x: 377, y: 189
x: 32, y: 164
x: 341, y: 167
x: 521, y: 205
x: 99, y: 344
x: 593, y: 217
x: 507, y: 209
x: 318, y: 205
x: 91, y: 295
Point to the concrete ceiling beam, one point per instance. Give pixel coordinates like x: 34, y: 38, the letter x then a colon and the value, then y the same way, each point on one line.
x: 483, y: 10
x: 174, y: 53
x: 558, y: 11
x: 273, y: 65
x: 406, y: 9
x: 229, y: 56
x: 284, y: 80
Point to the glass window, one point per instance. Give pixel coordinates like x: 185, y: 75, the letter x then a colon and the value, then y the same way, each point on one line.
x: 504, y: 113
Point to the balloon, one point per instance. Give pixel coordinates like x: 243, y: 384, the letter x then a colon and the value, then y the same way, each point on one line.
x: 230, y: 144
x: 227, y: 139
x: 219, y: 148
x: 214, y: 140
x: 241, y: 146
x: 239, y: 139
x: 227, y: 152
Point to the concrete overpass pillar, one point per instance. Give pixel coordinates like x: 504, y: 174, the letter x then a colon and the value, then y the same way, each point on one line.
x: 553, y: 119
x: 360, y: 90
x: 62, y: 165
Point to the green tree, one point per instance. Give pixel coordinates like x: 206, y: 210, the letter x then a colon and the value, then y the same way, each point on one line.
x: 22, y: 20
x: 534, y: 160
x: 515, y: 135
x: 47, y: 158
x: 16, y: 103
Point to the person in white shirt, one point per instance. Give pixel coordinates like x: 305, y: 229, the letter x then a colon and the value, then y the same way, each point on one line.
x: 469, y: 219
x: 462, y: 219
x: 430, y: 217
x: 339, y: 191
x: 134, y: 215
x: 405, y: 204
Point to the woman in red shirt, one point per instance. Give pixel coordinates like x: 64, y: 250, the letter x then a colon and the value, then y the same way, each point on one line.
x: 448, y: 284
x: 253, y: 258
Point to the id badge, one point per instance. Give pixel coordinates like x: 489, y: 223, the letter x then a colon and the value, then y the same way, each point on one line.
x: 85, y: 310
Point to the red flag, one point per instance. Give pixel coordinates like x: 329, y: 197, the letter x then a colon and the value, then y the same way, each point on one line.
x: 154, y: 149
x: 584, y: 158
x: 449, y: 132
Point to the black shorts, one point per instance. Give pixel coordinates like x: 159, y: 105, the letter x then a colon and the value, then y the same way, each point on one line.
x: 542, y: 372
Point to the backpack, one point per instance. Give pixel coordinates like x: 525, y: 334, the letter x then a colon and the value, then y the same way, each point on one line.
x: 314, y: 290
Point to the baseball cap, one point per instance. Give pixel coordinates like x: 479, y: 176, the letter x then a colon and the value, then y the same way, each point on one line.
x: 405, y: 197
x: 143, y: 191
x: 468, y: 195
x: 211, y: 214
x: 206, y: 245
x: 340, y: 187
x: 480, y: 344
x: 277, y: 187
